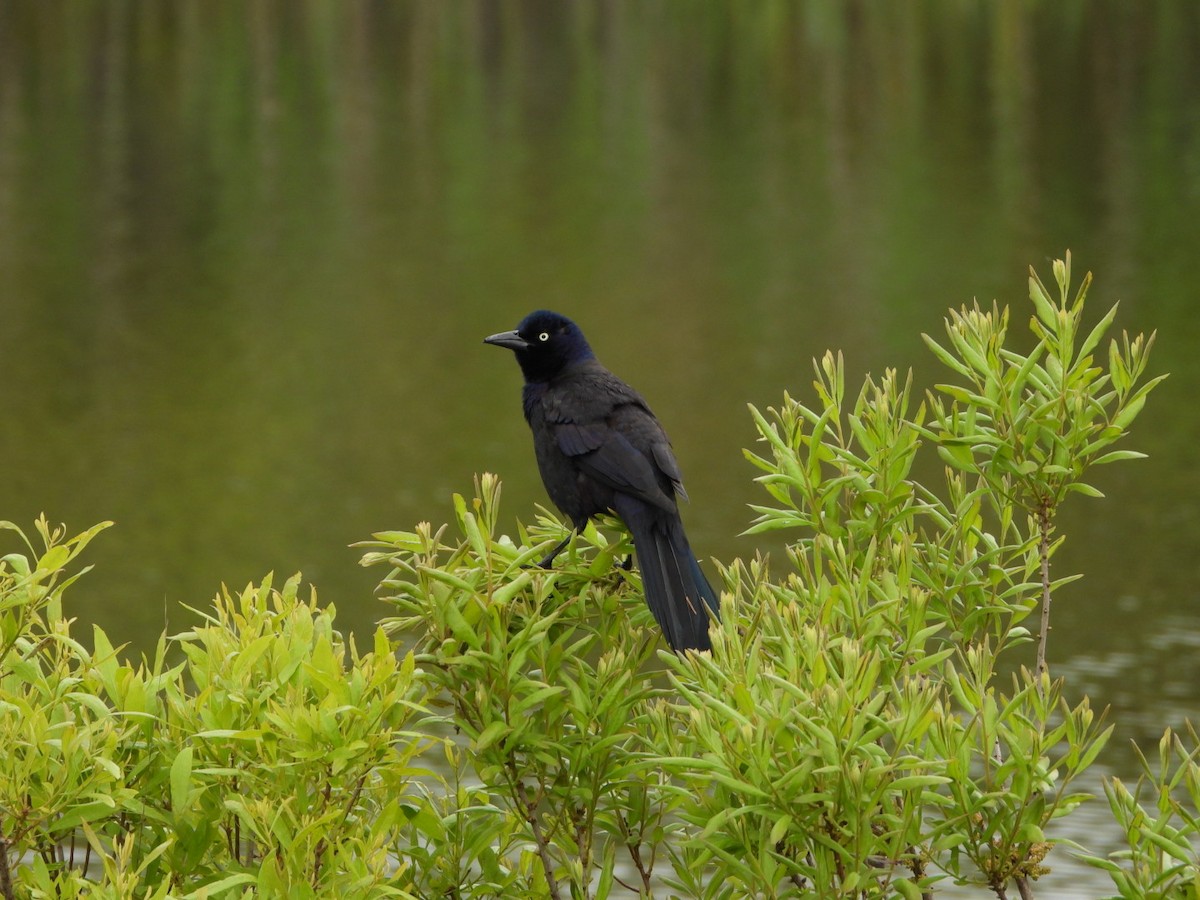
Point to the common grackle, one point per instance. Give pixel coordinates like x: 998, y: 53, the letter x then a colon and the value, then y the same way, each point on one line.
x: 600, y: 448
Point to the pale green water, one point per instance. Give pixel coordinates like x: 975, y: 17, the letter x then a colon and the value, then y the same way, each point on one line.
x: 248, y: 253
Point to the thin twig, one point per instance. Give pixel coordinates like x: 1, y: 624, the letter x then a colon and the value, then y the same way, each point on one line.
x: 237, y: 828
x: 362, y: 779
x: 916, y: 865
x: 6, y: 889
x: 583, y: 835
x: 87, y: 853
x: 794, y: 877
x: 1044, y: 552
x: 322, y: 845
x: 319, y: 850
x: 1024, y: 888
x: 635, y: 853
x: 535, y: 825
x: 634, y: 847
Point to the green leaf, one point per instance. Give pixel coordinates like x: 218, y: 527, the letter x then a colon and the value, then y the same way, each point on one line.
x: 1093, y: 338
x: 1041, y: 302
x: 945, y: 356
x: 539, y: 696
x: 220, y: 886
x: 490, y: 735
x: 779, y: 829
x: 235, y: 734
x: 908, y: 782
x: 1117, y: 456
x: 504, y: 594
x: 738, y: 786
x: 1177, y: 849
x: 90, y: 701
x: 181, y: 780
x: 459, y: 626
x: 957, y: 455
x: 55, y: 558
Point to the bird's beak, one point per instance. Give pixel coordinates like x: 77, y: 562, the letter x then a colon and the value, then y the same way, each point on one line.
x: 509, y: 339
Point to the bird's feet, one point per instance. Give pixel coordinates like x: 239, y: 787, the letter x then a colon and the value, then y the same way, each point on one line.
x: 548, y: 560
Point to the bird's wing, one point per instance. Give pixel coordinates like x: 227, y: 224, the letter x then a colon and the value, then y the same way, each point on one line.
x: 664, y: 458
x: 609, y: 433
x: 634, y: 419
x: 609, y: 451
x: 608, y: 456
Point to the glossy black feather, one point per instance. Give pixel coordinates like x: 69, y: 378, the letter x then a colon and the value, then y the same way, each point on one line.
x: 600, y: 449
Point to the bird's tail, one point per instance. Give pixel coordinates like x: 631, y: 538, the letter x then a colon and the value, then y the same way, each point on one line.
x: 677, y: 592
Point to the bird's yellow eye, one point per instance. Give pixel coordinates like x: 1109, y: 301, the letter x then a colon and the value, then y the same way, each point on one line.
x: 544, y: 336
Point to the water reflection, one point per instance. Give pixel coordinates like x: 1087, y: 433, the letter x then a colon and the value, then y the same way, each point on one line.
x: 247, y: 253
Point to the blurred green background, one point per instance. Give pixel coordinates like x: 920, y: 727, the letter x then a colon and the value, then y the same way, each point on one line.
x: 248, y: 252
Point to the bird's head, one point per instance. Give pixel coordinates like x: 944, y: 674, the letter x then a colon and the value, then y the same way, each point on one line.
x: 545, y: 343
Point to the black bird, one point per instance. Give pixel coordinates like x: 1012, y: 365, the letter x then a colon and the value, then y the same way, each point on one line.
x: 599, y: 449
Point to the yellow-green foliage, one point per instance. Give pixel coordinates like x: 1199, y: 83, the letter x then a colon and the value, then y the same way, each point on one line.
x: 520, y: 732
x: 273, y: 759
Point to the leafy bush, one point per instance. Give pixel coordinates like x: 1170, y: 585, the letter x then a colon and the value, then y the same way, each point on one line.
x: 850, y: 735
x: 273, y: 759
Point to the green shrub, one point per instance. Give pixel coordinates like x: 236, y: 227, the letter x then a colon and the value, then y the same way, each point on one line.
x: 850, y: 735
x: 274, y: 759
x: 541, y: 672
